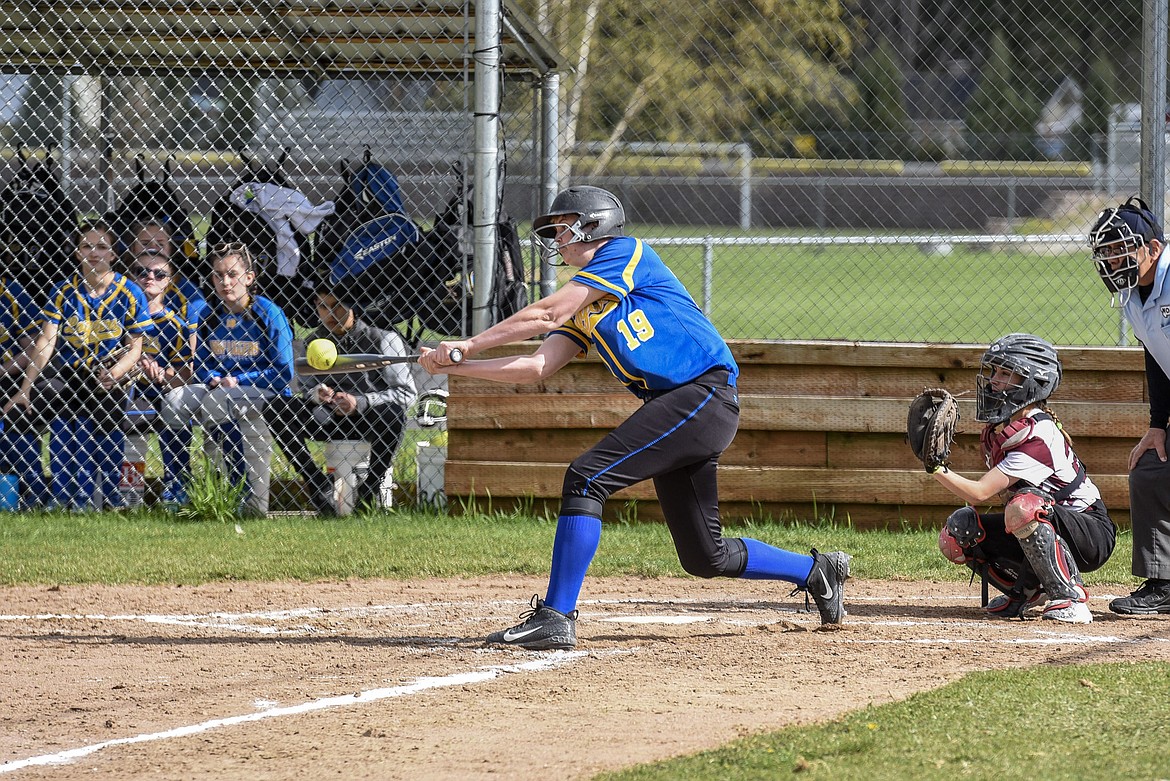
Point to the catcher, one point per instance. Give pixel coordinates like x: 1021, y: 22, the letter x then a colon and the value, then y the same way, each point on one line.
x: 1054, y: 525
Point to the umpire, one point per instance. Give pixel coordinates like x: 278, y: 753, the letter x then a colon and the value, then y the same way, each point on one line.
x: 369, y: 406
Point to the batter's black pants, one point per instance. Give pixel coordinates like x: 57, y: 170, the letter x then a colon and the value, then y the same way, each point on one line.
x: 675, y: 439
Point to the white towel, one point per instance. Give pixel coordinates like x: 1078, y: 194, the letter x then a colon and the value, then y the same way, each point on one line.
x: 285, y: 210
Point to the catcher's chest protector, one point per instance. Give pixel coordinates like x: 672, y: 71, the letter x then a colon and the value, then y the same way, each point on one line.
x: 1013, y: 435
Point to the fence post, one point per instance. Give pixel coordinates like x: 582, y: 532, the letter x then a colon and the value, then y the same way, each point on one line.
x: 708, y: 271
x: 745, y: 186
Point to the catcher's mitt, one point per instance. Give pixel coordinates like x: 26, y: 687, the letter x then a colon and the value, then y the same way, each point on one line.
x: 930, y: 427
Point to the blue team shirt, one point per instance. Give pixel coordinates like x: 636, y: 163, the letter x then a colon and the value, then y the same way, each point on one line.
x: 17, y: 318
x: 648, y: 329
x: 93, y: 326
x: 169, y: 345
x: 186, y: 300
x: 255, y: 347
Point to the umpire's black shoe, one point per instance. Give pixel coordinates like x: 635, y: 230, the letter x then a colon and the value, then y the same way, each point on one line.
x: 826, y: 584
x: 1152, y: 597
x: 542, y: 629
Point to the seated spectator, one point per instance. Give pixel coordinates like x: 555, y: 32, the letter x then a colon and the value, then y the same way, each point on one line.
x: 243, y: 359
x: 151, y: 237
x: 165, y: 367
x: 369, y: 406
x: 91, y: 335
x: 19, y: 454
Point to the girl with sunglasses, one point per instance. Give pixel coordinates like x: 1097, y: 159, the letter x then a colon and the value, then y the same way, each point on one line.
x: 166, y: 366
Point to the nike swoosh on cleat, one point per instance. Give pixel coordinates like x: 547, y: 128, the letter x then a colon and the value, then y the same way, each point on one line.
x: 511, y: 636
x: 828, y: 592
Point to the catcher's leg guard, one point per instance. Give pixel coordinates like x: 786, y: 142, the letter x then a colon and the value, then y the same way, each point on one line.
x: 1026, y: 516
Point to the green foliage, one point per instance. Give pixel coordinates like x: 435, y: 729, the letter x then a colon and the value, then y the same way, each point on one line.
x: 743, y: 70
x: 1100, y: 93
x: 211, y: 495
x: 1000, y: 115
x: 1070, y: 723
x: 879, y: 116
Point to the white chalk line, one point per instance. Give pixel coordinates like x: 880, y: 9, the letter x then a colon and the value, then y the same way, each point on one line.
x: 550, y: 660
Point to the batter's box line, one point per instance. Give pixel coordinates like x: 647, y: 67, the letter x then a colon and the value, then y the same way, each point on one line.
x: 549, y: 660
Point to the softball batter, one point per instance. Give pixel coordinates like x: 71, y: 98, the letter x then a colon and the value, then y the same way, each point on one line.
x: 625, y: 303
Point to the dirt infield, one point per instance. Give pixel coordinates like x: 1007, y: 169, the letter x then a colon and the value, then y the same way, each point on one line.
x: 384, y: 679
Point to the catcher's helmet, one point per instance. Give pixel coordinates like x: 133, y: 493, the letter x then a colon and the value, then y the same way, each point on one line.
x: 1033, y: 359
x: 599, y: 216
x: 1119, y: 233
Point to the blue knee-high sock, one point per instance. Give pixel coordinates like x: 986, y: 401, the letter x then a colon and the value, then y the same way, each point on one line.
x: 24, y: 458
x: 86, y: 459
x: 765, y: 562
x: 573, y: 548
x: 62, y: 461
x: 175, y: 447
x: 108, y: 455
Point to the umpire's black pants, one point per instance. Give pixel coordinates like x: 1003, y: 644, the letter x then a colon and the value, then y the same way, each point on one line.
x: 675, y: 438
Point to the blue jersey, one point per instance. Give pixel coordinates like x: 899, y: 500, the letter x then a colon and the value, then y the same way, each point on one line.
x: 93, y: 326
x: 170, y: 344
x: 648, y: 329
x: 255, y: 346
x: 186, y: 300
x: 17, y: 318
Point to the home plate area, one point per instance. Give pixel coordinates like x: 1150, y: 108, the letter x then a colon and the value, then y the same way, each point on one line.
x: 390, y: 679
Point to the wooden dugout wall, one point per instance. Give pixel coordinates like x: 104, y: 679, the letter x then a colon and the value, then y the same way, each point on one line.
x: 821, y: 431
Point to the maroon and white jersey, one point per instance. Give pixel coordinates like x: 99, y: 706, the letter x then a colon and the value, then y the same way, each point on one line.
x: 1035, y: 451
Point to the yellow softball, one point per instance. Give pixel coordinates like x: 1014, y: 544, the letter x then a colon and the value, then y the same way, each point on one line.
x: 321, y: 354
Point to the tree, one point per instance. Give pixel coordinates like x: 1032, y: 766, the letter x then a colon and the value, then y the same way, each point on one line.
x: 879, y: 117
x: 743, y: 70
x: 1000, y: 117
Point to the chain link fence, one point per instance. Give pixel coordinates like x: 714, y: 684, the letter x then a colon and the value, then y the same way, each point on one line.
x: 864, y: 170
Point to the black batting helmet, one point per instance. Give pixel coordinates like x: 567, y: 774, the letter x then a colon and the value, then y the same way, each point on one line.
x: 599, y: 216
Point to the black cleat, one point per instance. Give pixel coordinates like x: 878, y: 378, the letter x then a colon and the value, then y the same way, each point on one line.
x: 1151, y: 598
x: 826, y: 584
x: 542, y: 629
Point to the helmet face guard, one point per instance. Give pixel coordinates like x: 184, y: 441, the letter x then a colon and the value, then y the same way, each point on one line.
x: 1112, y: 242
x: 598, y: 215
x: 1117, y: 239
x: 544, y: 238
x: 1037, y: 371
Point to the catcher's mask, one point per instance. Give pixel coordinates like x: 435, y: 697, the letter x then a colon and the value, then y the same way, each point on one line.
x: 1030, y: 357
x: 1121, y: 233
x: 599, y: 216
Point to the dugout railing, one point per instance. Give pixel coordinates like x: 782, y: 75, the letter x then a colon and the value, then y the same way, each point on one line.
x: 821, y: 434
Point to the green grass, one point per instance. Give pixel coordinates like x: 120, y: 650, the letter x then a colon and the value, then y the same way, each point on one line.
x: 1077, y: 722
x: 152, y: 547
x: 986, y: 726
x: 892, y: 292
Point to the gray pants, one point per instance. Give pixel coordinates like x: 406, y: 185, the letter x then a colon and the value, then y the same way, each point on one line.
x: 214, y: 407
x: 1149, y: 506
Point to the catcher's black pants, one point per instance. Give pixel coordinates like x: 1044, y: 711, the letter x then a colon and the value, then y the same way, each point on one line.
x: 1091, y: 536
x: 675, y: 439
x: 294, y: 420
